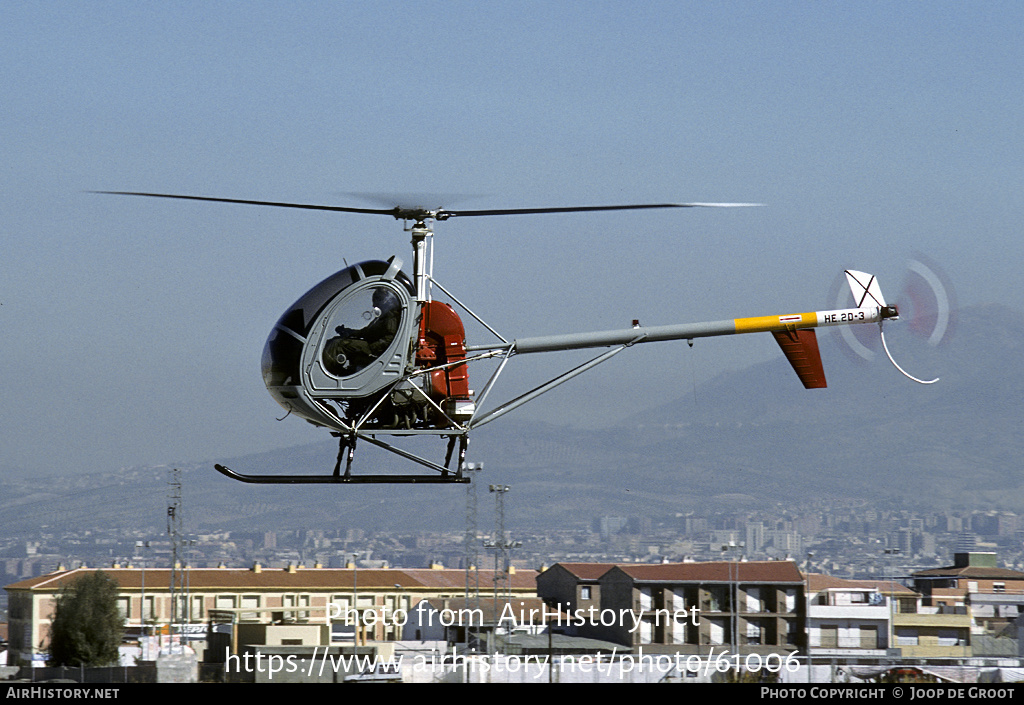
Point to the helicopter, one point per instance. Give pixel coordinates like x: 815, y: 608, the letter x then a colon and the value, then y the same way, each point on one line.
x: 369, y: 351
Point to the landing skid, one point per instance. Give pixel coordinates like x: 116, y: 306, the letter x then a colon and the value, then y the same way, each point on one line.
x: 346, y: 452
x: 341, y: 479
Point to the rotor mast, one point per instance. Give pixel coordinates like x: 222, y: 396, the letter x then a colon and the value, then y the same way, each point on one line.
x: 422, y: 258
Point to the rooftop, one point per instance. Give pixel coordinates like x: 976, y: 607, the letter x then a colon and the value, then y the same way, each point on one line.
x: 284, y: 579
x: 719, y: 571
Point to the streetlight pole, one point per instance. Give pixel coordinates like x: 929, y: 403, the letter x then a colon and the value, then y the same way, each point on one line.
x: 355, y: 596
x: 892, y: 552
x: 140, y: 545
x: 734, y: 592
x: 471, y: 541
x: 807, y: 612
x: 189, y: 549
x: 499, y: 542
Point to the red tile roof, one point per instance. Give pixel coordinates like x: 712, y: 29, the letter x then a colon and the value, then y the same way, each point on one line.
x: 971, y: 571
x: 719, y: 571
x: 281, y: 579
x: 816, y: 582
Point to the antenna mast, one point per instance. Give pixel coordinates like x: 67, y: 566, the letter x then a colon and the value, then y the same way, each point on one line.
x: 174, y: 531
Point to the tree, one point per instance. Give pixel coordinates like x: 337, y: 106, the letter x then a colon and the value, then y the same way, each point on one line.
x: 87, y: 625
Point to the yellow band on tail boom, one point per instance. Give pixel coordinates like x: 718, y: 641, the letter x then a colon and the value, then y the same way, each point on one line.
x: 774, y: 323
x: 815, y: 319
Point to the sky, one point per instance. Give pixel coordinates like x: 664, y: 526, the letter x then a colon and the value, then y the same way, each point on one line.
x: 132, y: 328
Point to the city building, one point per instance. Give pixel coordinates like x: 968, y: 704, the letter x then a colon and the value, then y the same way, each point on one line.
x: 849, y: 619
x: 689, y: 608
x: 994, y: 595
x: 573, y: 587
x: 305, y: 606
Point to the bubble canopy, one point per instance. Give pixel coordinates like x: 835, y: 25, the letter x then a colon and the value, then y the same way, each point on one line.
x: 342, y: 338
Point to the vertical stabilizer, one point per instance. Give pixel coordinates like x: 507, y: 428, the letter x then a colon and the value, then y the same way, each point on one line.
x: 801, y: 349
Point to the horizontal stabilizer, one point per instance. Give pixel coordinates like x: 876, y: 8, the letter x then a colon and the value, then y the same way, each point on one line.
x: 866, y: 292
x: 801, y: 349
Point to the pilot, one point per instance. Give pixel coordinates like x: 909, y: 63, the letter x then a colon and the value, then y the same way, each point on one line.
x: 387, y: 312
x: 352, y: 350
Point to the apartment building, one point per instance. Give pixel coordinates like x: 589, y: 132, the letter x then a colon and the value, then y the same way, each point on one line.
x: 994, y: 596
x: 309, y: 605
x: 849, y: 619
x: 753, y: 607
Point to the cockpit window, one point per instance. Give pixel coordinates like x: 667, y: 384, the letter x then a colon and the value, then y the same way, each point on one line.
x: 360, y: 330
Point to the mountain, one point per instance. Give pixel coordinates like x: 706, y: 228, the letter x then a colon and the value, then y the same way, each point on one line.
x: 872, y: 433
x: 750, y: 438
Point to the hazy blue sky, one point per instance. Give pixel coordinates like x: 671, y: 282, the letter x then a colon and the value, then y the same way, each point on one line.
x: 132, y: 328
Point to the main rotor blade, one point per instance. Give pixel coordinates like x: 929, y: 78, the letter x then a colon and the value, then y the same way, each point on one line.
x: 399, y: 212
x: 445, y: 214
x: 396, y: 212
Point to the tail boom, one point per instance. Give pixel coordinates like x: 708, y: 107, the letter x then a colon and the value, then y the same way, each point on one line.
x: 794, y: 332
x: 651, y: 334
